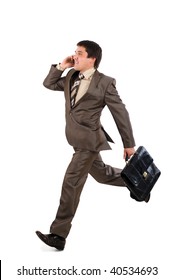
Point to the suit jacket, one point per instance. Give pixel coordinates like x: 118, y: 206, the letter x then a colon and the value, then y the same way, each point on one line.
x: 83, y: 127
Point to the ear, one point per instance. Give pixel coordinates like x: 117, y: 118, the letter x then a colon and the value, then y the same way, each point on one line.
x: 93, y: 59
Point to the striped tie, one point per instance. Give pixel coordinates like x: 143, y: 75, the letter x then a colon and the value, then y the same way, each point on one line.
x: 75, y: 88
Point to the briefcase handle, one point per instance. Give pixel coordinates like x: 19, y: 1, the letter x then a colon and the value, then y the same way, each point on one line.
x: 126, y: 158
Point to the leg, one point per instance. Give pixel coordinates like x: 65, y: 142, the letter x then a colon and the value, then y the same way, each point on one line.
x: 106, y: 174
x: 73, y: 183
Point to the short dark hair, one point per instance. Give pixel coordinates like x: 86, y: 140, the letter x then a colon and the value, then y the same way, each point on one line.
x: 93, y: 50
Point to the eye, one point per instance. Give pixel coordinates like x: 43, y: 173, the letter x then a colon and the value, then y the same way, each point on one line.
x: 79, y: 53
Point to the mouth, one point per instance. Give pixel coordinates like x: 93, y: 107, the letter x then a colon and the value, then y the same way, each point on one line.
x: 76, y: 61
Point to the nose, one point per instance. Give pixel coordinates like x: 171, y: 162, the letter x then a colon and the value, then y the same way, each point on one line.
x: 74, y: 56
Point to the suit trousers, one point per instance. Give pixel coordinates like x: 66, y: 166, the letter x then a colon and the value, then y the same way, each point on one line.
x: 83, y: 163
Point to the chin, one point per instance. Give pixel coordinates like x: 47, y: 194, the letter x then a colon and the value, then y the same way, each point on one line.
x: 76, y: 67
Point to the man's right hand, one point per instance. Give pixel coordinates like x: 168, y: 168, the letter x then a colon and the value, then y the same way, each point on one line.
x: 68, y: 62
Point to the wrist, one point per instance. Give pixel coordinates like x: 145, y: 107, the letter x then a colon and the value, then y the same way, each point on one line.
x: 60, y: 67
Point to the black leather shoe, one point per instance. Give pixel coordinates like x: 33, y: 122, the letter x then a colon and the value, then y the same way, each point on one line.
x: 52, y: 240
x: 134, y: 197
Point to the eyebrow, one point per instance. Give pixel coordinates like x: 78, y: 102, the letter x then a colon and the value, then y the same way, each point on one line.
x: 79, y: 52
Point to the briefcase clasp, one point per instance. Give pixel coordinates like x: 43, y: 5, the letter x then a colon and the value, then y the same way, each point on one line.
x: 145, y: 174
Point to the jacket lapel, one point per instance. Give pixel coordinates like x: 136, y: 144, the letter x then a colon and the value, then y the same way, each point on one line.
x: 71, y: 76
x: 94, y: 81
x: 92, y: 86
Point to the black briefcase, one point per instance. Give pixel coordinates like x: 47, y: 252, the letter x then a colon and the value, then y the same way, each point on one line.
x: 140, y: 174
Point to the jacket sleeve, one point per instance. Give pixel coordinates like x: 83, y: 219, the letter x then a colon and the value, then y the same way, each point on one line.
x: 54, y: 81
x: 120, y: 115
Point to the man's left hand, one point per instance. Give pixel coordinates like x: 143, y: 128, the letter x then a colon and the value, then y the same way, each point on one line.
x: 128, y: 152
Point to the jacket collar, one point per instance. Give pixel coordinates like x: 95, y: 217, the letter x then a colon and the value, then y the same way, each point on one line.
x: 71, y: 76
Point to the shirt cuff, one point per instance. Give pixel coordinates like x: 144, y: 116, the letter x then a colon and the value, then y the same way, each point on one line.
x: 58, y: 66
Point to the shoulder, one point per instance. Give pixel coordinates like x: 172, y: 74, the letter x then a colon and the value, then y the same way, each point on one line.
x: 107, y: 80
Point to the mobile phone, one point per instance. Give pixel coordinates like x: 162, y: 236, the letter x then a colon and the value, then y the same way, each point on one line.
x: 70, y: 60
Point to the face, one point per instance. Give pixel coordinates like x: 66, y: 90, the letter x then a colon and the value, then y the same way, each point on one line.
x: 82, y: 62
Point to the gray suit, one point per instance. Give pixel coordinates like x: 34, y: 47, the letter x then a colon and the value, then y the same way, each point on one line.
x: 85, y: 133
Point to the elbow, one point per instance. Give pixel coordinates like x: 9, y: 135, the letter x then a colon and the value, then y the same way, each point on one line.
x: 45, y: 84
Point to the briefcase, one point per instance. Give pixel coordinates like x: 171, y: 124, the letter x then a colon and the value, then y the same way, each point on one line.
x: 140, y: 174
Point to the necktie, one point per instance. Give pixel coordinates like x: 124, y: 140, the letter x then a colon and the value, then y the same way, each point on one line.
x: 75, y: 88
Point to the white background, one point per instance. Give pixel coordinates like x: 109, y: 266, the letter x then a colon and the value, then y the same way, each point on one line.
x: 109, y: 228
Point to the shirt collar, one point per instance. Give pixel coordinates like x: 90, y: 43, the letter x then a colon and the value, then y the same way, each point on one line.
x: 88, y: 73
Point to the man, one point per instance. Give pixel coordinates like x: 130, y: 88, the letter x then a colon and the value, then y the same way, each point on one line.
x: 86, y: 96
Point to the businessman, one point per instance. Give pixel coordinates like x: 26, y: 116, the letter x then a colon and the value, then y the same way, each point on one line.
x: 87, y: 92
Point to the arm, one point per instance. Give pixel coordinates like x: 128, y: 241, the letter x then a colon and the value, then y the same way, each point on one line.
x: 121, y: 118
x: 54, y: 79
